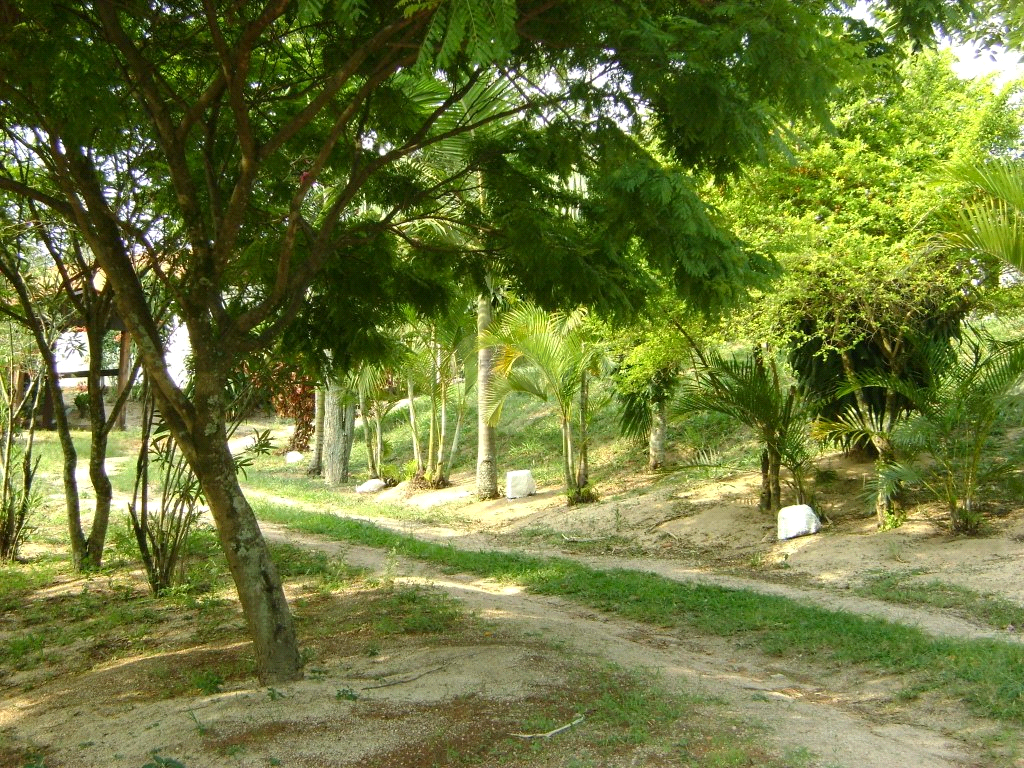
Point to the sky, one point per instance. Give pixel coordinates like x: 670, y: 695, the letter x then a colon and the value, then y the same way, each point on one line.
x: 1005, y: 65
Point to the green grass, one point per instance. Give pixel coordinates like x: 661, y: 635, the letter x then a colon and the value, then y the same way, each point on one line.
x: 987, y: 675
x: 901, y: 587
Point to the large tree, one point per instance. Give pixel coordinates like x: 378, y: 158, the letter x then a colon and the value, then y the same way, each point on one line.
x: 276, y: 140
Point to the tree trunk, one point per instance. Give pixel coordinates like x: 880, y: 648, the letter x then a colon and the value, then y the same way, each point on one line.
x: 765, y: 501
x: 339, y: 432
x: 442, y: 436
x: 333, y: 432
x: 656, y: 441
x: 316, y: 465
x: 486, y: 458
x: 124, y: 376
x: 567, y: 463
x: 256, y: 579
x: 371, y: 465
x: 417, y: 454
x: 98, y: 445
x: 583, y: 467
x: 72, y: 503
x: 378, y: 443
x: 775, y: 485
x: 349, y: 437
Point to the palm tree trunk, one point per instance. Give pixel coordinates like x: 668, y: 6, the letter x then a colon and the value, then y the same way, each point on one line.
x: 378, y: 443
x: 442, y: 436
x: 333, y: 432
x: 316, y: 465
x: 583, y: 467
x: 656, y: 441
x: 567, y: 457
x: 371, y: 465
x: 765, y: 501
x: 348, y: 422
x: 447, y: 470
x: 486, y: 458
x: 414, y: 427
x: 775, y: 485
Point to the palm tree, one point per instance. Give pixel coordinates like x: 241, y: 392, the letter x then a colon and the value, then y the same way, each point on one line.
x: 551, y: 357
x: 748, y: 389
x: 954, y: 415
x: 992, y: 221
x: 441, y: 363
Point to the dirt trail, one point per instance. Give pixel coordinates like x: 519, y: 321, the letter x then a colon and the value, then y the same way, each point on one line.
x: 836, y: 722
x: 934, y: 622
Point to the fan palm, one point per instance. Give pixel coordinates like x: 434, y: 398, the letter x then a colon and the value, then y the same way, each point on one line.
x: 992, y: 222
x: 956, y: 413
x: 748, y: 390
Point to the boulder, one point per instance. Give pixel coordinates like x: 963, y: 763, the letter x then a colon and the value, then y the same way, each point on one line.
x: 797, y: 520
x: 372, y: 486
x: 519, y: 483
x: 292, y: 457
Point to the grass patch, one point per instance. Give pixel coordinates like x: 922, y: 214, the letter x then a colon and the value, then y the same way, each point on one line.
x: 901, y: 587
x: 987, y: 675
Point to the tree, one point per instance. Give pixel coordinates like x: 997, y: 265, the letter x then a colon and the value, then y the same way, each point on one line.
x: 55, y: 286
x: 550, y: 356
x: 277, y: 140
x: 750, y: 390
x: 339, y: 426
x: 19, y: 399
x: 850, y: 217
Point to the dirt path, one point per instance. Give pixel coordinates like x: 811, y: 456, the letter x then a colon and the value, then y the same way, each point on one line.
x: 845, y: 721
x: 934, y: 622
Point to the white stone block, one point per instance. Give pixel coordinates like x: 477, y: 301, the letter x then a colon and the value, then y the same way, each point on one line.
x: 519, y: 483
x: 797, y: 520
x: 372, y: 486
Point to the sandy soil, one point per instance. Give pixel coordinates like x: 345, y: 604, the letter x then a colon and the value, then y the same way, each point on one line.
x: 416, y: 701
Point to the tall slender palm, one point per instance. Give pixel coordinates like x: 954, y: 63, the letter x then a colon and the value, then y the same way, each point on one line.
x: 548, y: 356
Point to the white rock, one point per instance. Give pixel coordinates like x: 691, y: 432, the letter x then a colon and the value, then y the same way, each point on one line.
x: 519, y: 483
x: 797, y: 520
x: 292, y: 457
x: 372, y: 486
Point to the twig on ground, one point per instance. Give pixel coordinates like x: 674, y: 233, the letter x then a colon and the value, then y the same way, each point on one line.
x: 579, y: 540
x: 579, y: 719
x: 407, y: 679
x: 660, y: 523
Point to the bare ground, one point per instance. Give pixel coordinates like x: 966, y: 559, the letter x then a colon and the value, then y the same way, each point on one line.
x: 459, y: 696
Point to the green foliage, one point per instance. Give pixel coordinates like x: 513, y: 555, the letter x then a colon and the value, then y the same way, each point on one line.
x: 948, y: 442
x: 749, y: 389
x: 18, y: 464
x: 991, y: 223
x: 850, y: 215
x: 549, y: 356
x: 208, y: 682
